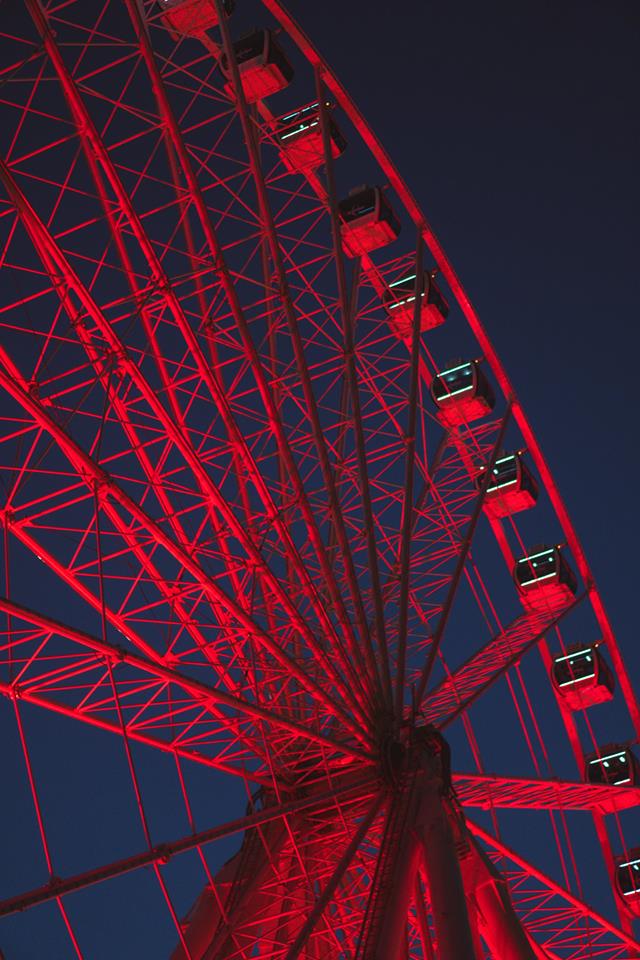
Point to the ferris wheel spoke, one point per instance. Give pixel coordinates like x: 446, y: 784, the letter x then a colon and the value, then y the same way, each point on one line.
x: 260, y: 777
x: 175, y: 138
x: 51, y: 253
x: 461, y: 560
x: 488, y: 792
x: 67, y: 576
x: 108, y: 491
x: 187, y: 694
x: 444, y: 516
x: 337, y: 519
x: 277, y: 878
x: 57, y: 264
x: 123, y: 623
x: 555, y: 916
x: 355, y: 792
x: 408, y: 497
x: 286, y: 869
x: 343, y: 411
x: 439, y: 523
x: 346, y: 307
x: 95, y: 149
x: 418, y: 509
x: 310, y: 399
x: 462, y: 687
x: 168, y: 595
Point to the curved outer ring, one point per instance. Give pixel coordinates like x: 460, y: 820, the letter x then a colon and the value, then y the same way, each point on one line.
x: 445, y: 267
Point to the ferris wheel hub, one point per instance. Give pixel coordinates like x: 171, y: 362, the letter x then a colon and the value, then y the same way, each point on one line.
x: 417, y: 748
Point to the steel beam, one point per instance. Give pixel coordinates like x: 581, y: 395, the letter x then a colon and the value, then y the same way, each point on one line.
x: 111, y: 491
x: 161, y: 853
x: 449, y: 907
x: 423, y: 834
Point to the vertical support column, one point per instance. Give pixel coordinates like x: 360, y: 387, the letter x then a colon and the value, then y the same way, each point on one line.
x: 446, y: 891
x: 498, y: 923
x: 391, y: 929
x: 420, y: 829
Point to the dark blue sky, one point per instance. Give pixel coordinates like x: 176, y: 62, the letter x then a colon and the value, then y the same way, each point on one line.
x: 516, y: 125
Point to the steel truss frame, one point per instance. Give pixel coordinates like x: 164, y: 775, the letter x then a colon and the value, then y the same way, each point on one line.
x: 221, y: 453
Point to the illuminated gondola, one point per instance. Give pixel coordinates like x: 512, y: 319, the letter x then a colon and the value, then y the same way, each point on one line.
x: 612, y: 765
x: 400, y: 298
x: 544, y: 579
x: 191, y: 18
x: 511, y: 488
x: 627, y: 880
x: 367, y: 221
x: 582, y: 677
x: 299, y: 135
x: 462, y: 393
x: 264, y: 68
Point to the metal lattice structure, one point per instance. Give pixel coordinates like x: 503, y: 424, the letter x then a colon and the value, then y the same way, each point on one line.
x: 260, y: 534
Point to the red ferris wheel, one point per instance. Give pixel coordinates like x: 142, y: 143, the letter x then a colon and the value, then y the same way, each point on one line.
x: 301, y: 655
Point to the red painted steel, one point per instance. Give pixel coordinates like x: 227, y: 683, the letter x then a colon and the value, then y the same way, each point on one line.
x: 239, y: 536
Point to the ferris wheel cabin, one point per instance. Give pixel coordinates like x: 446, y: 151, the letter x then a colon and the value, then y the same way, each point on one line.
x: 400, y: 298
x: 612, y: 765
x: 367, y: 221
x: 264, y: 68
x: 191, y: 18
x: 544, y: 579
x: 462, y: 393
x: 299, y: 135
x: 627, y: 880
x: 511, y: 488
x: 582, y: 678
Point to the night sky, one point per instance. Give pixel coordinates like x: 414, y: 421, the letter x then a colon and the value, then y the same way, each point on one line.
x: 516, y: 127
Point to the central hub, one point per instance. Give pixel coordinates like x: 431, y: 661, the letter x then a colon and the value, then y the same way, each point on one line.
x: 417, y: 747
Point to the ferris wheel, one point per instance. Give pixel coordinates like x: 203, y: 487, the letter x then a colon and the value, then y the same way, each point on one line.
x: 301, y: 654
